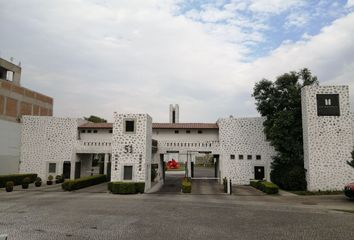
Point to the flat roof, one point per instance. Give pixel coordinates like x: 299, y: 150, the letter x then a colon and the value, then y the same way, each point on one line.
x: 157, y: 125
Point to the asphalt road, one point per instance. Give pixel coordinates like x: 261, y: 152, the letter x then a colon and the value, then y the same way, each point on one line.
x: 80, y: 215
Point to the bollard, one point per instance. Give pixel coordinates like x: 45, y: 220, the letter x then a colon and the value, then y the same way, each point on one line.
x: 230, y: 187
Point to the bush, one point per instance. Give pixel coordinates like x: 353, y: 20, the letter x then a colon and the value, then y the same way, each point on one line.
x: 264, y: 186
x: 291, y: 178
x: 126, y: 187
x: 70, y: 185
x: 17, y: 179
x: 50, y: 180
x: 186, y: 185
x: 25, y: 182
x: 38, y: 182
x: 9, y: 186
x: 59, y: 179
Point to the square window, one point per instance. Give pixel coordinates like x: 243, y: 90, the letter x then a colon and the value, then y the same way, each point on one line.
x: 94, y: 131
x: 110, y: 131
x: 200, y: 131
x: 188, y: 131
x: 89, y: 131
x: 83, y: 131
x: 52, y: 168
x: 176, y: 131
x: 258, y: 157
x: 249, y: 157
x: 129, y: 126
x: 128, y: 173
x: 232, y: 156
x: 240, y: 157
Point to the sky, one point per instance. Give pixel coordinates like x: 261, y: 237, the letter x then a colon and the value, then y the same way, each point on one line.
x: 96, y: 57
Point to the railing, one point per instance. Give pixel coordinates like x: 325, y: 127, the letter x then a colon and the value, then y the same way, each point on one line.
x: 93, y: 146
x: 189, y: 145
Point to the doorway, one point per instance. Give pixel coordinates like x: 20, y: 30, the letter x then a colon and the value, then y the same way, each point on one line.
x: 66, y: 169
x: 258, y: 172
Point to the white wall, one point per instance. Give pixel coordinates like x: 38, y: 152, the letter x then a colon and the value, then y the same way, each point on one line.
x: 101, y: 135
x: 169, y: 134
x: 10, y: 140
x: 243, y: 136
x: 328, y: 140
x: 47, y: 139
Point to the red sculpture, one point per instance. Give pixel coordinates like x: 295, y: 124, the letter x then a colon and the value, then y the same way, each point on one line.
x: 172, y: 164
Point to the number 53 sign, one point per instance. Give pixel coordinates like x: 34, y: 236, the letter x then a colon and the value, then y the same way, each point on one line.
x: 128, y: 149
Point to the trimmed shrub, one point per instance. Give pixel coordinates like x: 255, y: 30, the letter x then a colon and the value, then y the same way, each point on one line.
x: 71, y: 185
x: 9, y: 186
x: 50, y: 180
x: 140, y: 187
x: 186, y: 185
x: 17, y: 179
x: 25, y: 182
x: 59, y: 179
x: 264, y: 186
x: 38, y: 182
x: 123, y: 187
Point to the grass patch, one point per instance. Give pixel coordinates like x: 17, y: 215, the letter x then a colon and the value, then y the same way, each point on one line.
x: 316, y: 193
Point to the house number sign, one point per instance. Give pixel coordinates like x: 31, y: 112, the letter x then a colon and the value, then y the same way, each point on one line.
x: 128, y: 148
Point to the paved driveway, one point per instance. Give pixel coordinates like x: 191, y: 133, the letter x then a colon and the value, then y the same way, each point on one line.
x: 81, y: 215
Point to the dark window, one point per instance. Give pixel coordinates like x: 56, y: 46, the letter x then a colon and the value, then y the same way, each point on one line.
x: 83, y: 131
x: 173, y: 116
x: 176, y: 131
x: 94, y: 131
x: 129, y: 126
x: 188, y: 131
x: 240, y: 157
x: 200, y: 131
x: 52, y: 168
x: 128, y: 172
x: 232, y: 156
x: 249, y: 157
x: 89, y: 131
x: 110, y: 131
x: 258, y: 157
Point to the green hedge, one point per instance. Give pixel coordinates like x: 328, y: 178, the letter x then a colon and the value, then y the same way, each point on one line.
x: 264, y: 186
x: 126, y: 187
x: 70, y: 185
x: 186, y: 185
x: 16, y: 178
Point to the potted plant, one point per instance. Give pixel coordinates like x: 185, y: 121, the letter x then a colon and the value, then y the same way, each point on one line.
x: 50, y: 180
x: 25, y: 182
x: 38, y: 182
x: 9, y: 186
x: 59, y: 179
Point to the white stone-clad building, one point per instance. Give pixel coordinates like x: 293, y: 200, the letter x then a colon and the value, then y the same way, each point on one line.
x: 126, y: 149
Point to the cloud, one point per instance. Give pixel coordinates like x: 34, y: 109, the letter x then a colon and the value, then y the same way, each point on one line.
x: 98, y: 57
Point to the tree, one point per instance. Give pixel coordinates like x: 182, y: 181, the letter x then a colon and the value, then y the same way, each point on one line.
x: 95, y: 119
x: 351, y: 163
x: 280, y: 103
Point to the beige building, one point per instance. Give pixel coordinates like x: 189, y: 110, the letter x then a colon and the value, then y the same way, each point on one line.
x: 15, y: 102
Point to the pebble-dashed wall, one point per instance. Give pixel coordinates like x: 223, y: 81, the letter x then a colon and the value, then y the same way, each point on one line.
x: 328, y: 140
x: 132, y: 149
x: 47, y: 140
x: 243, y: 136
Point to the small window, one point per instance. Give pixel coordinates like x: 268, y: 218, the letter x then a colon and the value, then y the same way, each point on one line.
x: 129, y: 126
x: 94, y: 131
x: 52, y: 168
x: 258, y: 157
x: 110, y: 131
x: 232, y: 156
x: 188, y: 131
x: 128, y: 173
x: 89, y: 131
x: 249, y: 157
x: 176, y: 131
x: 240, y: 157
x: 200, y: 131
x: 83, y: 131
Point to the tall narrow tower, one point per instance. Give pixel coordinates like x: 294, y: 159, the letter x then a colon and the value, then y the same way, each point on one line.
x: 174, y: 113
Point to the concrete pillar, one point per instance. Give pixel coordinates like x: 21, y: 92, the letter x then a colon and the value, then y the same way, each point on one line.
x: 106, y: 159
x: 74, y: 157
